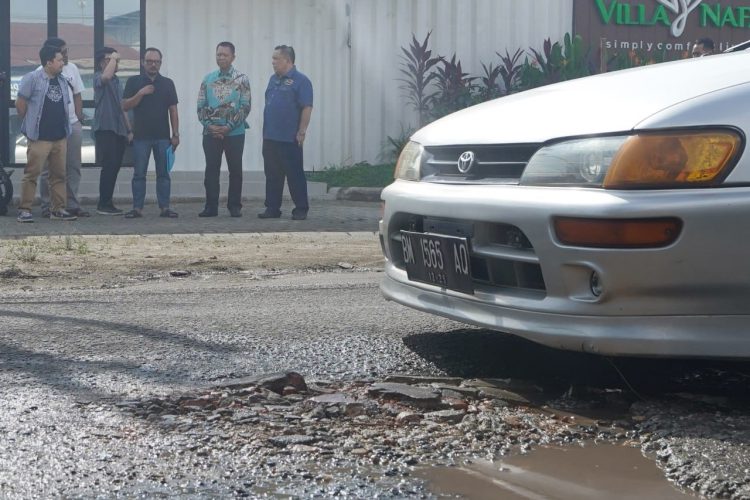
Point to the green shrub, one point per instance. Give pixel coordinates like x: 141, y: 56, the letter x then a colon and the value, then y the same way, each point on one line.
x: 359, y: 175
x: 417, y: 66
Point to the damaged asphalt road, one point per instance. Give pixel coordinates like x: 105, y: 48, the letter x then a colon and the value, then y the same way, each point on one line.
x: 151, y: 388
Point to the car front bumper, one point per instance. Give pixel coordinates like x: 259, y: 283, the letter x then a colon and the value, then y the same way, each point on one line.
x: 691, y: 298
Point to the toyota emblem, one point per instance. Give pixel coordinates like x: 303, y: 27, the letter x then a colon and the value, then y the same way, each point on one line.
x: 465, y: 161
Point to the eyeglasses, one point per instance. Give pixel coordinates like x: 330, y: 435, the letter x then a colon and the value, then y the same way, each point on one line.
x: 152, y: 61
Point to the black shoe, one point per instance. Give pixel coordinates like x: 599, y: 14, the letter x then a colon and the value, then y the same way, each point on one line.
x: 208, y: 213
x: 79, y: 212
x: 168, y: 213
x: 110, y: 210
x: 235, y: 212
x: 269, y: 215
x: 133, y: 214
x: 62, y: 215
x: 299, y: 216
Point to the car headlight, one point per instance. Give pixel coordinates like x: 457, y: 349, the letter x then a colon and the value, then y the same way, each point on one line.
x: 409, y: 161
x: 645, y: 160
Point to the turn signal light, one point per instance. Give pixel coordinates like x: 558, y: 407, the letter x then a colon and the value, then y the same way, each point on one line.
x: 617, y: 233
x: 673, y: 159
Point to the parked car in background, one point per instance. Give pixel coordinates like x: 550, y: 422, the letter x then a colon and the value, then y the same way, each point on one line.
x: 609, y: 214
x: 88, y: 150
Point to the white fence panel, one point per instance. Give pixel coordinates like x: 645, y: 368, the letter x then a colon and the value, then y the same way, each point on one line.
x: 349, y: 49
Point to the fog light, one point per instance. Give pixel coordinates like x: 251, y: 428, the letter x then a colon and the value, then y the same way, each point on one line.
x: 596, y: 284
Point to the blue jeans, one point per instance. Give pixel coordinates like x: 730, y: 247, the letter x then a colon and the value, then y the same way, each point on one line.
x: 141, y: 152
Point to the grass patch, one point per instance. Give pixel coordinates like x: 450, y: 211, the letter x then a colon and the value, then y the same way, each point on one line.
x: 76, y: 244
x: 359, y: 175
x: 25, y: 250
x: 32, y: 249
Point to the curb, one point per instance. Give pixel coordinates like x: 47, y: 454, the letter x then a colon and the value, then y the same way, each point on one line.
x: 334, y: 194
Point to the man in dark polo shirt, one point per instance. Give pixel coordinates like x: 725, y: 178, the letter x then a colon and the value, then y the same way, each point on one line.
x: 153, y: 99
x: 289, y: 100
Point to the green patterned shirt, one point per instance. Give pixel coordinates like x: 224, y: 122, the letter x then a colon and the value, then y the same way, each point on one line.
x: 224, y: 99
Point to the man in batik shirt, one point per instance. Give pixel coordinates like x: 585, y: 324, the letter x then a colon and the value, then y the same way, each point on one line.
x: 223, y: 106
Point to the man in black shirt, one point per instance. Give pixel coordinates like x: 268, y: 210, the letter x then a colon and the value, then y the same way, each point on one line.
x: 153, y: 99
x: 43, y: 105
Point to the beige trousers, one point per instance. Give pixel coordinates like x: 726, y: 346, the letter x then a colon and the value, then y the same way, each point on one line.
x: 37, y: 154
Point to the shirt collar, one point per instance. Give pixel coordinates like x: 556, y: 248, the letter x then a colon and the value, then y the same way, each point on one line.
x: 46, y: 75
x: 228, y: 72
x: 289, y: 74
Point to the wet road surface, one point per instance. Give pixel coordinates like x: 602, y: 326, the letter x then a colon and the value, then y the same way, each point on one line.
x: 70, y: 363
x: 592, y: 471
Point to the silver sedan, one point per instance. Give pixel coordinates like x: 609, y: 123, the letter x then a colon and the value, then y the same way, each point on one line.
x: 609, y: 214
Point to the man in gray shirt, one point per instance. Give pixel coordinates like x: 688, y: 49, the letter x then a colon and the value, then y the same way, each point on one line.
x: 111, y: 127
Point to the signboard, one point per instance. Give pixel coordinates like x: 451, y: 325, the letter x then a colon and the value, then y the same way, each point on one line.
x: 665, y: 29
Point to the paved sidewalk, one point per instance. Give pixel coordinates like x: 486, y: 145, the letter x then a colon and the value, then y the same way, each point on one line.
x: 325, y: 215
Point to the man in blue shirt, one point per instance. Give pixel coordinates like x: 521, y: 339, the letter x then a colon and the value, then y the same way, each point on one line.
x: 289, y: 100
x: 43, y: 105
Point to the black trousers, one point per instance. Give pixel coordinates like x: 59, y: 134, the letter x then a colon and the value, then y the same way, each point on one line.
x: 110, y: 149
x: 283, y: 161
x: 232, y: 147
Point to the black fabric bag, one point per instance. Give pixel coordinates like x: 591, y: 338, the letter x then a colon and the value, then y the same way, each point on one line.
x: 6, y: 191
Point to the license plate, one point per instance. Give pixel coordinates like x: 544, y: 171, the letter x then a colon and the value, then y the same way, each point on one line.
x: 438, y: 260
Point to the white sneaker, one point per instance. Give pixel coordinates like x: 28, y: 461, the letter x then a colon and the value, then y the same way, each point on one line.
x: 24, y: 216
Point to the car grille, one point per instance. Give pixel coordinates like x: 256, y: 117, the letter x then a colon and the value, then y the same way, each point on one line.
x: 502, y: 257
x: 493, y: 164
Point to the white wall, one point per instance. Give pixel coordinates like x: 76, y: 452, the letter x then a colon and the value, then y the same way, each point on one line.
x: 350, y: 50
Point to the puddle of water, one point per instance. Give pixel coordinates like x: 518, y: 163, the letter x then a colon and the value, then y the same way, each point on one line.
x: 590, y: 472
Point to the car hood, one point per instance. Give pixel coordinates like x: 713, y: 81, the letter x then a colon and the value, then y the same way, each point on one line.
x: 610, y: 102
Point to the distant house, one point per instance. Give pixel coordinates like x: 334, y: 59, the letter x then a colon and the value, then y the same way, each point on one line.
x: 27, y: 39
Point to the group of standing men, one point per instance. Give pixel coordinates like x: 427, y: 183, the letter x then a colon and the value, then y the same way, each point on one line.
x: 49, y: 102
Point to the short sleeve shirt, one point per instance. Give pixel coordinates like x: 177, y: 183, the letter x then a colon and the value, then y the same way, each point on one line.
x: 75, y: 86
x: 152, y: 113
x: 108, y: 99
x: 286, y: 96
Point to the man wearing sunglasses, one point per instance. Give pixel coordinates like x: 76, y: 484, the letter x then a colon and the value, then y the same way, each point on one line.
x: 153, y: 99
